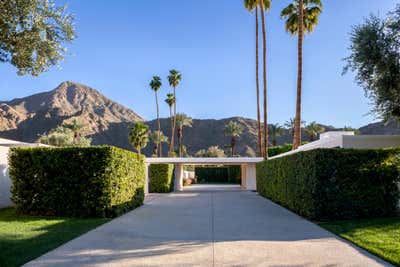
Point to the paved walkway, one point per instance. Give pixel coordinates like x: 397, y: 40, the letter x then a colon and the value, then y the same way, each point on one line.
x: 203, y: 227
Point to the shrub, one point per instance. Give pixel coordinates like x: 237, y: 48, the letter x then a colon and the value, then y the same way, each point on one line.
x: 161, y: 178
x: 76, y: 181
x: 224, y: 174
x: 330, y: 184
x: 276, y: 150
x: 187, y: 181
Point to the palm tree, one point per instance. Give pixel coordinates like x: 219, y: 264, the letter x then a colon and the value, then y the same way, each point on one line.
x: 233, y: 129
x: 76, y: 127
x: 275, y: 130
x: 290, y: 125
x: 313, y: 130
x: 182, y: 120
x: 251, y: 5
x: 301, y: 15
x: 139, y: 136
x: 155, y: 85
x: 265, y: 5
x: 174, y: 78
x: 170, y: 100
x: 158, y: 138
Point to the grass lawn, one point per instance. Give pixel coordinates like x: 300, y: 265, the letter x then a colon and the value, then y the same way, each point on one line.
x: 379, y: 236
x: 23, y: 238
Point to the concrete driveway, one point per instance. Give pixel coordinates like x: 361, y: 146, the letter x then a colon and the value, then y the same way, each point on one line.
x: 205, y: 227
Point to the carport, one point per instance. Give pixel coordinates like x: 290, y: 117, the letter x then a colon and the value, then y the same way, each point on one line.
x: 248, y: 168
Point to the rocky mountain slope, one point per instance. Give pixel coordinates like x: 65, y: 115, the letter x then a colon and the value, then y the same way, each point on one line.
x: 27, y: 118
x: 107, y: 122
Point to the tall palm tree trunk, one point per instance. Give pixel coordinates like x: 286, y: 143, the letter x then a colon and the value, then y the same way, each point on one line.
x: 297, y: 127
x: 179, y: 134
x: 233, y: 143
x: 172, y: 125
x: 159, y: 149
x: 171, y: 148
x: 260, y: 154
x: 265, y: 150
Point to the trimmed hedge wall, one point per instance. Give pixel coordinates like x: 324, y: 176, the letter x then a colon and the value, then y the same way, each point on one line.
x: 76, y: 181
x: 161, y: 178
x: 331, y: 184
x: 225, y: 174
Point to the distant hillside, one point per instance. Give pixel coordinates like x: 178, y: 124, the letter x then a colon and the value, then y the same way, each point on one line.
x: 108, y: 122
x: 27, y: 118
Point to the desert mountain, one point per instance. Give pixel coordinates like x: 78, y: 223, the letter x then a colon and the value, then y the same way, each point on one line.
x: 107, y: 122
x: 27, y: 118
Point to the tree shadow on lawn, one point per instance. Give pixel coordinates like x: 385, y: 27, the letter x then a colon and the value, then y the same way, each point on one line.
x: 23, y: 238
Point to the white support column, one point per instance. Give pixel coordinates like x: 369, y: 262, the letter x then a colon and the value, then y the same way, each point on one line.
x: 250, y: 173
x: 243, y: 176
x: 146, y: 181
x: 178, y: 185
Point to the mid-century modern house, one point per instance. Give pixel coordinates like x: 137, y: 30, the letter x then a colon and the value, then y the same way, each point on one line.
x: 337, y: 139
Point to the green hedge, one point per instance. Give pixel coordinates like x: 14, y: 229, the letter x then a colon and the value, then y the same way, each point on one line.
x: 276, y: 150
x: 76, y: 181
x: 331, y: 184
x: 161, y: 178
x: 224, y: 174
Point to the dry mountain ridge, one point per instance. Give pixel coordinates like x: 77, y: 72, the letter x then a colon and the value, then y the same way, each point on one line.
x: 27, y: 118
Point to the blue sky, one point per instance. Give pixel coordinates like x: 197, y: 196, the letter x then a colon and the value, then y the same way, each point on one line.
x: 120, y: 46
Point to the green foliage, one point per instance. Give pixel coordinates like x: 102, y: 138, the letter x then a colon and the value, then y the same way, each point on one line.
x: 276, y: 150
x: 174, y: 78
x: 311, y: 10
x: 76, y: 181
x: 32, y: 33
x: 375, y: 57
x: 224, y: 174
x: 313, y: 130
x: 328, y: 184
x: 139, y: 136
x: 161, y: 178
x: 155, y: 83
x: 252, y: 4
x: 274, y: 130
x: 46, y: 233
x: 69, y: 134
x: 380, y: 236
x: 211, y: 152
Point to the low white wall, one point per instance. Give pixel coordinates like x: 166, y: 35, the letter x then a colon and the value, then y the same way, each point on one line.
x: 371, y: 141
x: 5, y: 182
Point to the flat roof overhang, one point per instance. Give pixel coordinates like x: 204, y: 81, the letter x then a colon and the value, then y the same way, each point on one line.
x: 205, y: 161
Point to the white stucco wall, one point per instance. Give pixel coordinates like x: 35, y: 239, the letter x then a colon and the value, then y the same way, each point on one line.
x: 371, y: 141
x: 5, y: 182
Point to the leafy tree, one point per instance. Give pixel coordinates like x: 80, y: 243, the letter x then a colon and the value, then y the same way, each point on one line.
x: 76, y: 127
x: 275, y: 130
x: 139, y: 136
x: 253, y: 6
x: 375, y: 57
x: 158, y: 138
x: 233, y: 129
x: 64, y: 136
x: 174, y: 79
x: 32, y: 34
x: 313, y: 130
x: 301, y: 16
x: 155, y: 85
x: 211, y: 152
x: 182, y: 120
